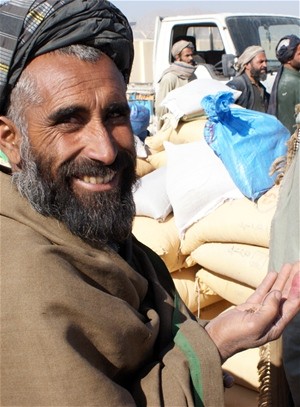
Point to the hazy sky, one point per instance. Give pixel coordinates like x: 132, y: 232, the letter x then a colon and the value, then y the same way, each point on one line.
x: 136, y: 10
x: 143, y: 12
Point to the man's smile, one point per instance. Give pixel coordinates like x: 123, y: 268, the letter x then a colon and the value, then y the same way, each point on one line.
x: 97, y: 183
x: 98, y: 180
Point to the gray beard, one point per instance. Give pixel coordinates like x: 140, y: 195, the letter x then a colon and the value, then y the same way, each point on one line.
x: 99, y: 218
x: 258, y: 75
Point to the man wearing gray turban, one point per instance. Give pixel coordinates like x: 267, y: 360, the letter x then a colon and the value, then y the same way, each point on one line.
x: 285, y: 94
x: 179, y: 73
x: 251, y: 70
x: 89, y: 315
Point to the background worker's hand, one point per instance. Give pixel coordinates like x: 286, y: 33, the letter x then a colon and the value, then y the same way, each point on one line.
x: 263, y: 317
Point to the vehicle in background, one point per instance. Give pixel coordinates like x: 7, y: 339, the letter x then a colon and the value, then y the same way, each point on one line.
x: 218, y: 38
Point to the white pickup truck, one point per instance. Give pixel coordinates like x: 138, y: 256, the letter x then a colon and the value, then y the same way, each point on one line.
x: 218, y: 39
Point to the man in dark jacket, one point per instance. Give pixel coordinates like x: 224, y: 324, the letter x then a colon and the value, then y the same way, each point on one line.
x: 252, y: 69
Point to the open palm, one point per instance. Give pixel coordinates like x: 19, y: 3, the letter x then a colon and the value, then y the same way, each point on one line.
x: 262, y: 317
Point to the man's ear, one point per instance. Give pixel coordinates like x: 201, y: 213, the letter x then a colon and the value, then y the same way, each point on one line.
x: 10, y: 140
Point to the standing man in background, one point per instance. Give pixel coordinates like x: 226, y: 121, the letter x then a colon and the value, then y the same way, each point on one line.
x: 285, y: 93
x: 252, y: 69
x: 179, y: 73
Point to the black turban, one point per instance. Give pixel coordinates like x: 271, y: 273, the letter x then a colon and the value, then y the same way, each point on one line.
x: 32, y: 28
x: 286, y: 48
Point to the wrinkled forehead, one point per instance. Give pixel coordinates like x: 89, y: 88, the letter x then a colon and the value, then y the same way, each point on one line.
x: 59, y: 76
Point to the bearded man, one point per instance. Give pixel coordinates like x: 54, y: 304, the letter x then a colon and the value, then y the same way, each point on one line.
x: 89, y: 315
x: 178, y: 74
x: 252, y: 69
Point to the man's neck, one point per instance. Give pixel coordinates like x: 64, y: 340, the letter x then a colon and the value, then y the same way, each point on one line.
x: 252, y: 79
x: 290, y: 67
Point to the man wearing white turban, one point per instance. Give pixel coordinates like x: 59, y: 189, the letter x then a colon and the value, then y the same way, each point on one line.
x: 252, y: 69
x: 179, y: 73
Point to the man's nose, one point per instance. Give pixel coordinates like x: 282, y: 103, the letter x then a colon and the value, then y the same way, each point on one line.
x: 100, y: 145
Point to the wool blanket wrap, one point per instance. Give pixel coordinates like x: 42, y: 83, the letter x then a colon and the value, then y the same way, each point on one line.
x: 88, y: 327
x: 31, y: 28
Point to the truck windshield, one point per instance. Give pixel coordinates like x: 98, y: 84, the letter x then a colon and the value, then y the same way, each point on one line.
x: 261, y: 30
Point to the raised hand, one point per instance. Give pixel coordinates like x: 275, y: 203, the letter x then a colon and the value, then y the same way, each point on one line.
x: 263, y: 317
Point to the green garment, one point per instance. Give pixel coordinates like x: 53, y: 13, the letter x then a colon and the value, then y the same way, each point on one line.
x: 86, y: 327
x: 288, y: 95
x: 285, y: 248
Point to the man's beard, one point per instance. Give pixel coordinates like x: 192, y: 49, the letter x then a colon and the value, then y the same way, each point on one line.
x: 258, y: 75
x: 99, y: 217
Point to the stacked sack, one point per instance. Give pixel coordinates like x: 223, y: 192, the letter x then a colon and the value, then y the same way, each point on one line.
x: 193, y: 213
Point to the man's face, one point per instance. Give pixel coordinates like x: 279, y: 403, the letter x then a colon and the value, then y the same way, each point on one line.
x: 187, y: 56
x: 258, y: 67
x: 81, y: 142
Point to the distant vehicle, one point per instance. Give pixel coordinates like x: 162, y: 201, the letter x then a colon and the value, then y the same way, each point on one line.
x: 218, y: 38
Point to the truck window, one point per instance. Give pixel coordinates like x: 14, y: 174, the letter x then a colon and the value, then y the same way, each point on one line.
x: 261, y: 30
x: 207, y: 39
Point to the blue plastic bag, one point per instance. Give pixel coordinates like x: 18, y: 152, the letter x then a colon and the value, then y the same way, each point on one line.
x: 140, y: 119
x: 246, y: 141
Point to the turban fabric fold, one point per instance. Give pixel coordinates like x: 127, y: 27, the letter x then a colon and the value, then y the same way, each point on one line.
x: 180, y: 46
x: 32, y: 28
x: 247, y: 56
x: 286, y: 48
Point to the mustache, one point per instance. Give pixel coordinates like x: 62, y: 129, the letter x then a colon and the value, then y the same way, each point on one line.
x: 90, y: 168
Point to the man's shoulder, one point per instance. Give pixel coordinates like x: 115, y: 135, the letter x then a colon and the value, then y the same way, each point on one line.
x: 290, y: 73
x: 169, y: 76
x: 238, y: 82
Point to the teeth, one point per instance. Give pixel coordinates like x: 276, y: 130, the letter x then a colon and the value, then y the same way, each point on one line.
x: 107, y: 178
x: 98, y: 180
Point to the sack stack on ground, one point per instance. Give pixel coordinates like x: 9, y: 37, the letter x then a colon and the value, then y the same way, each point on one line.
x: 213, y: 238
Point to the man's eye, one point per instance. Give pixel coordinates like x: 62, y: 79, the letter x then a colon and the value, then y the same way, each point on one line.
x: 118, y: 113
x: 68, y: 117
x: 71, y: 119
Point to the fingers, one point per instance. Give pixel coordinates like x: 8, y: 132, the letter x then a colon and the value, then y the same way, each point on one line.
x: 283, y: 310
x: 271, y: 321
x: 283, y: 277
x: 281, y: 281
x: 291, y: 305
x: 293, y: 281
x: 295, y: 284
x: 286, y: 279
x: 262, y: 290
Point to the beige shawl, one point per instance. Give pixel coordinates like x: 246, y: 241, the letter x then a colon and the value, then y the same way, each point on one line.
x: 86, y: 327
